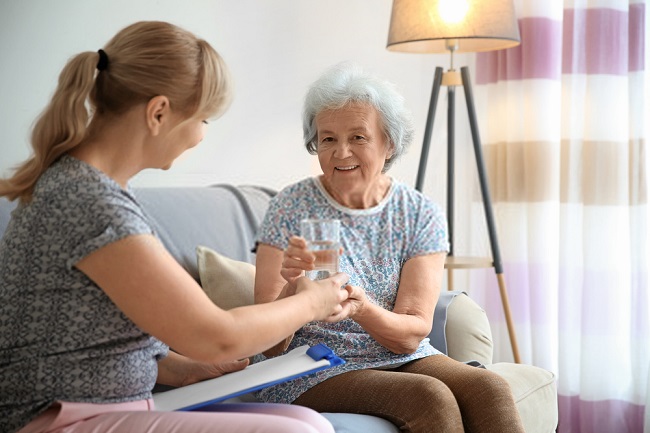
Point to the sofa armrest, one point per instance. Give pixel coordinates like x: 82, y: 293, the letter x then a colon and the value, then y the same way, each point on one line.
x: 461, y: 329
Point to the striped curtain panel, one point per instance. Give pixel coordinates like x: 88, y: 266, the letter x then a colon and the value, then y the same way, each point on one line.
x: 564, y: 122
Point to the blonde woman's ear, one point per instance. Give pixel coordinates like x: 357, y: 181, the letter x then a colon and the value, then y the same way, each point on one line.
x: 157, y: 111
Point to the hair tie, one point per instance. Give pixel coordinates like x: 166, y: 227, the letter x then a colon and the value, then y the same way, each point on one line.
x: 102, y: 64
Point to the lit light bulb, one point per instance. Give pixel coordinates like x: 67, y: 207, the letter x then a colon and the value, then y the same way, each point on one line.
x: 453, y: 11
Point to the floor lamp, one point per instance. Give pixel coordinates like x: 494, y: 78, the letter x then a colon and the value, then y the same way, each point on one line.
x: 440, y: 26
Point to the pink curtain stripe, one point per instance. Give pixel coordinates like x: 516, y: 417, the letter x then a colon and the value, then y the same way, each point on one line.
x: 637, y: 37
x: 597, y: 41
x: 603, y: 416
x: 535, y: 57
x: 589, y: 39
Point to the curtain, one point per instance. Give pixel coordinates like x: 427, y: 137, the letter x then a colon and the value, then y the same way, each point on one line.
x: 564, y: 121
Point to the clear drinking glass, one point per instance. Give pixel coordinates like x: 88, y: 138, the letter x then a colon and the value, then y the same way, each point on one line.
x: 323, y: 239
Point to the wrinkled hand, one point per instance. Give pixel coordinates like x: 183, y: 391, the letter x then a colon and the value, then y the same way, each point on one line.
x: 352, y: 306
x: 297, y: 259
x: 203, y: 371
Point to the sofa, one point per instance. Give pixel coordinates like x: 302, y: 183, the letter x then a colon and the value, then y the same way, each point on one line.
x: 223, y: 219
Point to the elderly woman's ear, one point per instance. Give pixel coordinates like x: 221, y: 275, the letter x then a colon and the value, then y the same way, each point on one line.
x: 391, y: 152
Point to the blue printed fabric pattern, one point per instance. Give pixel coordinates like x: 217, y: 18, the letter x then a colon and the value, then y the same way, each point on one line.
x: 376, y: 244
x: 61, y: 337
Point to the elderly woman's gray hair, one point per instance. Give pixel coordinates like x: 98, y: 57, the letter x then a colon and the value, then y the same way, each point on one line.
x: 348, y: 83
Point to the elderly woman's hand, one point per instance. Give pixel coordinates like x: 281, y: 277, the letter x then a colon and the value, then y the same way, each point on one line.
x: 352, y: 306
x: 297, y: 259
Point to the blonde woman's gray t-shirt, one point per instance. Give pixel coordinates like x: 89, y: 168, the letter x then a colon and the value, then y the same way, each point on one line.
x: 61, y: 337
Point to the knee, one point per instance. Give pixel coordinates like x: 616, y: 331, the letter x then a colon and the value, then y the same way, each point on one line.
x: 490, y: 385
x: 433, y: 403
x: 493, y: 380
x: 432, y: 395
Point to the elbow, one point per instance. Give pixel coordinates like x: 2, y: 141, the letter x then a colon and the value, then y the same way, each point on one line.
x: 409, y: 344
x: 412, y: 347
x: 406, y: 346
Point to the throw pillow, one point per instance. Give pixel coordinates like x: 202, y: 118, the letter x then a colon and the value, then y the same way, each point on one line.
x: 228, y: 283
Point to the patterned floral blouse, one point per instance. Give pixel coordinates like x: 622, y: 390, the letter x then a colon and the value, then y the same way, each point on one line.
x: 376, y: 243
x: 61, y: 337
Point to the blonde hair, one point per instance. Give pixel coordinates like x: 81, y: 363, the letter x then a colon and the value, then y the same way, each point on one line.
x: 145, y: 59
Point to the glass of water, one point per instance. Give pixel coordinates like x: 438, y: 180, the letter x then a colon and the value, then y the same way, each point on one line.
x: 323, y: 239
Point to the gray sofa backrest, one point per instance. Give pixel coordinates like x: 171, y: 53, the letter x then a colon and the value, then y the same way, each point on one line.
x: 222, y: 217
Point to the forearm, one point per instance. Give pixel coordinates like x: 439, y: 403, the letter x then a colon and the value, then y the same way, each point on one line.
x: 270, y: 286
x: 246, y: 331
x: 159, y: 287
x: 402, y: 329
x: 296, y: 319
x: 398, y: 332
x: 279, y: 348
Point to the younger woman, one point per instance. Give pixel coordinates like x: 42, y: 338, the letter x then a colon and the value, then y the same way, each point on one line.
x: 90, y: 299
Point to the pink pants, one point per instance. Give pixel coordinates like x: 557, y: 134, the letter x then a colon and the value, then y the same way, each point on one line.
x: 140, y: 417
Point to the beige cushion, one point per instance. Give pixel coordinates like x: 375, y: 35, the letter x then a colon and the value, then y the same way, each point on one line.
x: 228, y: 283
x: 469, y: 337
x: 535, y: 394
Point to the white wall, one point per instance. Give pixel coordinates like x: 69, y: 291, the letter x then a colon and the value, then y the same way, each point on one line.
x: 275, y: 49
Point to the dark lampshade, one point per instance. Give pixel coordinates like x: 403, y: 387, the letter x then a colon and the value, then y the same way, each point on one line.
x: 427, y: 26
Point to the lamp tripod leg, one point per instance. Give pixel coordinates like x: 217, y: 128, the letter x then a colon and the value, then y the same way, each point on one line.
x: 450, y: 278
x: 506, y: 309
x: 487, y: 207
x: 424, y: 156
x: 428, y: 128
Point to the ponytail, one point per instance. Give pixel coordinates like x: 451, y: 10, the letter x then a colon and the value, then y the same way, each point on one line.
x: 59, y: 128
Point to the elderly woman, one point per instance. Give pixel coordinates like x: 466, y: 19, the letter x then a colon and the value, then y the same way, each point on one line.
x: 394, y: 242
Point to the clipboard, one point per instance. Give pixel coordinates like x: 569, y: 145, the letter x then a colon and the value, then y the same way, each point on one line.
x: 298, y: 362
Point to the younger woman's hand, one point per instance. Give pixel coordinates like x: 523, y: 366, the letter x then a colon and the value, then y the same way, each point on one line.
x: 328, y: 295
